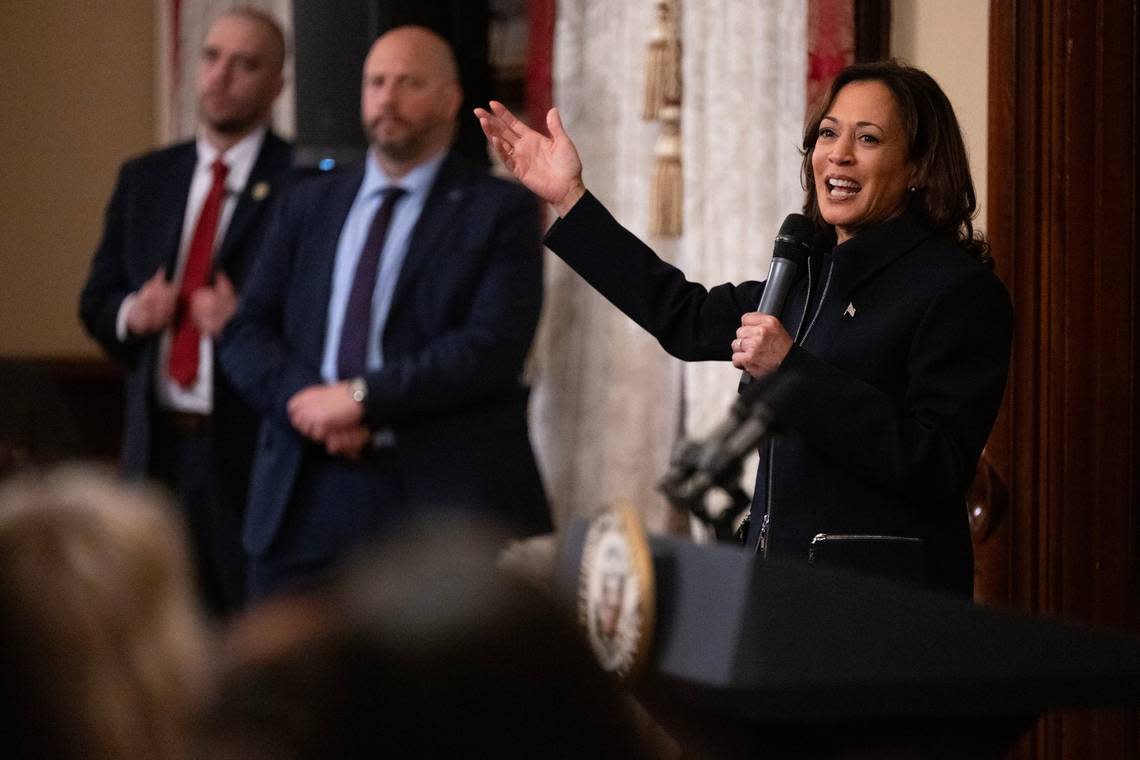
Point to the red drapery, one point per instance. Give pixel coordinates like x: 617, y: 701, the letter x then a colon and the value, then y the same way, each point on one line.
x: 830, y: 43
x: 540, y: 60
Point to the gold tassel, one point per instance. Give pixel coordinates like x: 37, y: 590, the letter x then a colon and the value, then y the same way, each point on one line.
x: 662, y: 64
x: 667, y: 198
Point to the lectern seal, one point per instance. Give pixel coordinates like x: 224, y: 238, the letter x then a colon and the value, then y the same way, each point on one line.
x: 616, y: 591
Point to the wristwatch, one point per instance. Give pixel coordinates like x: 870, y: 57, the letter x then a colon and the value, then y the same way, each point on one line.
x: 358, y: 389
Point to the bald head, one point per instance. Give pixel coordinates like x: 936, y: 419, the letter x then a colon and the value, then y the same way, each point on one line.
x: 430, y: 52
x: 273, y: 30
x: 239, y: 74
x: 410, y: 97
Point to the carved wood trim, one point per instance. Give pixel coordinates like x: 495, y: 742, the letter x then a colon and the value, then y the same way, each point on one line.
x: 1063, y: 225
x: 872, y: 30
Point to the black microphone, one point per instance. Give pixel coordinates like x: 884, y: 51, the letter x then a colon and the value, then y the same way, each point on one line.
x: 792, y: 246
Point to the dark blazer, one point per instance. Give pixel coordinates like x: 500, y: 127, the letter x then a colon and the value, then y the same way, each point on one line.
x: 461, y: 323
x: 895, y: 377
x: 141, y: 234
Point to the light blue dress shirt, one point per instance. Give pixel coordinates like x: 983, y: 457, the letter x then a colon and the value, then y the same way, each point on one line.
x: 417, y: 183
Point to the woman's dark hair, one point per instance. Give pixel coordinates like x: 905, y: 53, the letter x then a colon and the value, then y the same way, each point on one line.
x: 944, y: 194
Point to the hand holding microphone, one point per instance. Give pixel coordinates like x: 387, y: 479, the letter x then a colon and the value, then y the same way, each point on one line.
x: 761, y: 341
x: 761, y: 344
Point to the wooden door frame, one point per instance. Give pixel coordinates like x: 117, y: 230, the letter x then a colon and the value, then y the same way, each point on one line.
x: 1063, y: 220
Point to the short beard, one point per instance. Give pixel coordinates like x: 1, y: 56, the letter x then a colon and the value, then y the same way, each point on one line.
x: 404, y: 150
x: 413, y: 147
x: 232, y: 126
x: 235, y: 125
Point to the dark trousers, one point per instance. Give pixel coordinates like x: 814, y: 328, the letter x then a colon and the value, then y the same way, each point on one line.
x: 184, y: 458
x: 337, y: 507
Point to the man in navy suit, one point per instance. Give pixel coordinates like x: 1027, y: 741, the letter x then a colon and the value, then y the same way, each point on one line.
x: 383, y: 336
x: 177, y: 244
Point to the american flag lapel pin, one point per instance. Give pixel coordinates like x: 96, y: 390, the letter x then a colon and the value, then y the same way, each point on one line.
x: 849, y: 311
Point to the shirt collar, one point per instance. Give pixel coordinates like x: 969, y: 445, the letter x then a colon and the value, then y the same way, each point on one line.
x: 416, y: 182
x: 239, y: 158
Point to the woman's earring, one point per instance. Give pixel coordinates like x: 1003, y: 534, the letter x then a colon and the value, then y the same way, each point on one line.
x: 913, y: 189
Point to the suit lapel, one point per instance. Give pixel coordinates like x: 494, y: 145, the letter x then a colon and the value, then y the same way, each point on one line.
x: 442, y: 205
x: 318, y: 268
x: 254, y: 196
x: 176, y: 188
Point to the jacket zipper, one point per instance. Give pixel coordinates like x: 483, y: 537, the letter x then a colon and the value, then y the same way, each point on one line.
x: 766, y: 523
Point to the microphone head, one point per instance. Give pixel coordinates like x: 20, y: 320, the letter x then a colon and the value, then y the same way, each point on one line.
x: 793, y: 242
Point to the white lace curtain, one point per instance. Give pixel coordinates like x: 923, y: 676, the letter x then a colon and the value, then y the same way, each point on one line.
x: 744, y: 68
x: 607, y: 398
x: 608, y: 402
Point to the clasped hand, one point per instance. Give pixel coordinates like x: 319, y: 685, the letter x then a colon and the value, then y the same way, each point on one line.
x: 211, y: 306
x: 328, y: 415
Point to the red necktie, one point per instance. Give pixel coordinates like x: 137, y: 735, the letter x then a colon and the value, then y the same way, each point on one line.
x: 184, y: 348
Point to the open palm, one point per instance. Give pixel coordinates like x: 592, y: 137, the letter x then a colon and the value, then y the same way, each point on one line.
x: 548, y: 166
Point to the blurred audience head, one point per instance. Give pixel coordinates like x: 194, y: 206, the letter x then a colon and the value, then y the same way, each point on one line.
x: 424, y: 649
x: 104, y: 645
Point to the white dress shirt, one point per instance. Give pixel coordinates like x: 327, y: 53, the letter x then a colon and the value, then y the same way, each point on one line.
x: 199, y: 397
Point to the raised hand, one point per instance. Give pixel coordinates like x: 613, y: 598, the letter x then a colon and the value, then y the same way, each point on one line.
x: 548, y: 166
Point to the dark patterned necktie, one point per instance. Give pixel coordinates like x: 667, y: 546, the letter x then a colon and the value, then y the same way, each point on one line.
x: 358, y: 312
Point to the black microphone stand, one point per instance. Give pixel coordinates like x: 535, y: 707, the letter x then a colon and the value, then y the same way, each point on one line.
x: 697, y: 468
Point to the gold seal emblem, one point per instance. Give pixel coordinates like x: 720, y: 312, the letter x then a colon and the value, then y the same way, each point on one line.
x: 260, y: 191
x: 616, y: 591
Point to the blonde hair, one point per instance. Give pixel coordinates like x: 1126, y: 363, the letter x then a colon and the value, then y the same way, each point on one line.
x: 98, y: 576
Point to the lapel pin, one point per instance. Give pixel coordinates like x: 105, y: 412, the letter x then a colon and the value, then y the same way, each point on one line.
x: 849, y: 311
x: 260, y: 191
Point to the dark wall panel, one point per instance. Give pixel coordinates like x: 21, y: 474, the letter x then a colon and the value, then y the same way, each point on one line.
x: 331, y: 40
x: 1062, y: 222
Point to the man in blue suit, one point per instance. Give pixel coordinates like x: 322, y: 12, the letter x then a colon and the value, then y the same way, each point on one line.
x: 383, y: 336
x: 177, y: 244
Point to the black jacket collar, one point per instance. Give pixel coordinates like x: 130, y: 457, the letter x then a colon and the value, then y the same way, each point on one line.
x: 861, y: 256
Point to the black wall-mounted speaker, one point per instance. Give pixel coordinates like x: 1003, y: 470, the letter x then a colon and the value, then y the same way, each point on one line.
x: 331, y: 41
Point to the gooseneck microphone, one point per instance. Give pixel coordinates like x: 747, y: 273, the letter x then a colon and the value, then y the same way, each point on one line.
x: 792, y: 246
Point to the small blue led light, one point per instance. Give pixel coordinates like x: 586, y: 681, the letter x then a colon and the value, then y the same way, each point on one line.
x: 326, y: 164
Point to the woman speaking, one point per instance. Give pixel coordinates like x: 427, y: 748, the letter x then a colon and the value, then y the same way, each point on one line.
x: 896, y: 336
